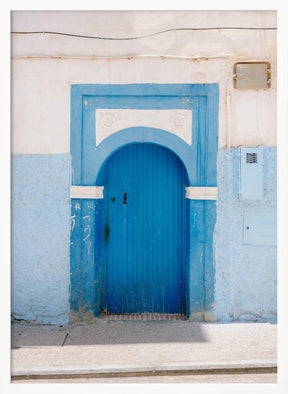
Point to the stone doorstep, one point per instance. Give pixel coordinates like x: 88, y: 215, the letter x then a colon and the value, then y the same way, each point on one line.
x: 144, y: 317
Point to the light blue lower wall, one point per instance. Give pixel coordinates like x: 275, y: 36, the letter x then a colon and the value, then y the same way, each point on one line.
x: 246, y: 275
x: 41, y: 237
x: 245, y: 282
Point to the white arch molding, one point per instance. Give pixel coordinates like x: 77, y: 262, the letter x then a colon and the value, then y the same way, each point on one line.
x: 109, y: 121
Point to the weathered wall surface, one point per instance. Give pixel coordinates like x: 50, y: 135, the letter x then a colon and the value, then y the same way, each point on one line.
x: 251, y: 119
x: 40, y: 237
x: 44, y: 66
x: 158, y: 58
x: 246, y: 275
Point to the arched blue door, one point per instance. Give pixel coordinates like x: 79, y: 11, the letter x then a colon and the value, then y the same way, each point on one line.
x: 144, y: 227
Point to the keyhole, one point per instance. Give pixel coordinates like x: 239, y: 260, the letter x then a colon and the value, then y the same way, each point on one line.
x: 113, y: 199
x: 125, y: 198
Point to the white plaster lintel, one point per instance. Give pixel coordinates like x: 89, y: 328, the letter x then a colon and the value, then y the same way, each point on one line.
x: 201, y: 193
x: 88, y: 192
x: 175, y: 121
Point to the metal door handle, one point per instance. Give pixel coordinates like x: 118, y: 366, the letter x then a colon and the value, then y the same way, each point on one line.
x: 125, y: 198
x: 106, y: 231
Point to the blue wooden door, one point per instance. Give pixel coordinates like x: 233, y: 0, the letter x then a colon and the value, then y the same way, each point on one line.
x: 144, y: 197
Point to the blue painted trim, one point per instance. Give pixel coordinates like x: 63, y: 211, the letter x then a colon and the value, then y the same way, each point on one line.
x: 209, y: 273
x: 75, y: 254
x: 144, y: 89
x: 145, y: 96
x: 85, y: 249
x: 201, y: 252
x: 76, y: 135
x: 199, y: 159
x: 140, y: 135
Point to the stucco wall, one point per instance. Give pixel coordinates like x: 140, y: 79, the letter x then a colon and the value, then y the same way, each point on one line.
x: 177, y: 48
x: 40, y: 237
x: 246, y: 275
x: 180, y: 56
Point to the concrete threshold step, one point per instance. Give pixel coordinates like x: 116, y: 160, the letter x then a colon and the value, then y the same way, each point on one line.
x: 143, y: 317
x: 197, y: 368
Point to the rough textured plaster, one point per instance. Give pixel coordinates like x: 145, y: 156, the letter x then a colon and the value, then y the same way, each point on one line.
x: 40, y: 237
x: 121, y: 24
x: 35, y: 98
x: 246, y: 276
x: 217, y: 42
x: 66, y: 60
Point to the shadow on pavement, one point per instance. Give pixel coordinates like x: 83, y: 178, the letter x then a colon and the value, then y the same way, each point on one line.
x: 104, y: 332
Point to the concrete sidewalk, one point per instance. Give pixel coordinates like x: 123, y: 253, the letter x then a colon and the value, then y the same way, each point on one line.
x: 127, y: 348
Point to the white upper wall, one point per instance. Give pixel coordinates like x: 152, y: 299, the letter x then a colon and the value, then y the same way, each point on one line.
x: 45, y: 65
x: 123, y: 23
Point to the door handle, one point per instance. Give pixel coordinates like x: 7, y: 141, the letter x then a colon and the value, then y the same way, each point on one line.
x: 106, y: 231
x: 125, y: 198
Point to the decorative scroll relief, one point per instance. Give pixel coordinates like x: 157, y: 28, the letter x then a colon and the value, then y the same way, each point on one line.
x: 201, y: 193
x: 109, y: 121
x: 89, y: 192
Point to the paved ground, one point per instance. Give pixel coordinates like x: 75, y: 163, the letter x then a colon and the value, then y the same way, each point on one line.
x: 236, y: 378
x: 115, y: 346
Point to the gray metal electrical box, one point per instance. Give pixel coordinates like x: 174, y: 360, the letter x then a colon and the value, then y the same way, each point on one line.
x: 252, y: 76
x: 251, y: 174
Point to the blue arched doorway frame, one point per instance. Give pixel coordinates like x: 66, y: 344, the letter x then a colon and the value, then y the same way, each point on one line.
x: 88, y: 167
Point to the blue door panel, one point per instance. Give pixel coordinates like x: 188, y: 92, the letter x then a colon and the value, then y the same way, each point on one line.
x: 144, y: 242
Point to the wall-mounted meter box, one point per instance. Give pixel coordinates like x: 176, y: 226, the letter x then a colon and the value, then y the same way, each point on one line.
x: 251, y: 173
x: 252, y: 75
x: 260, y: 228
